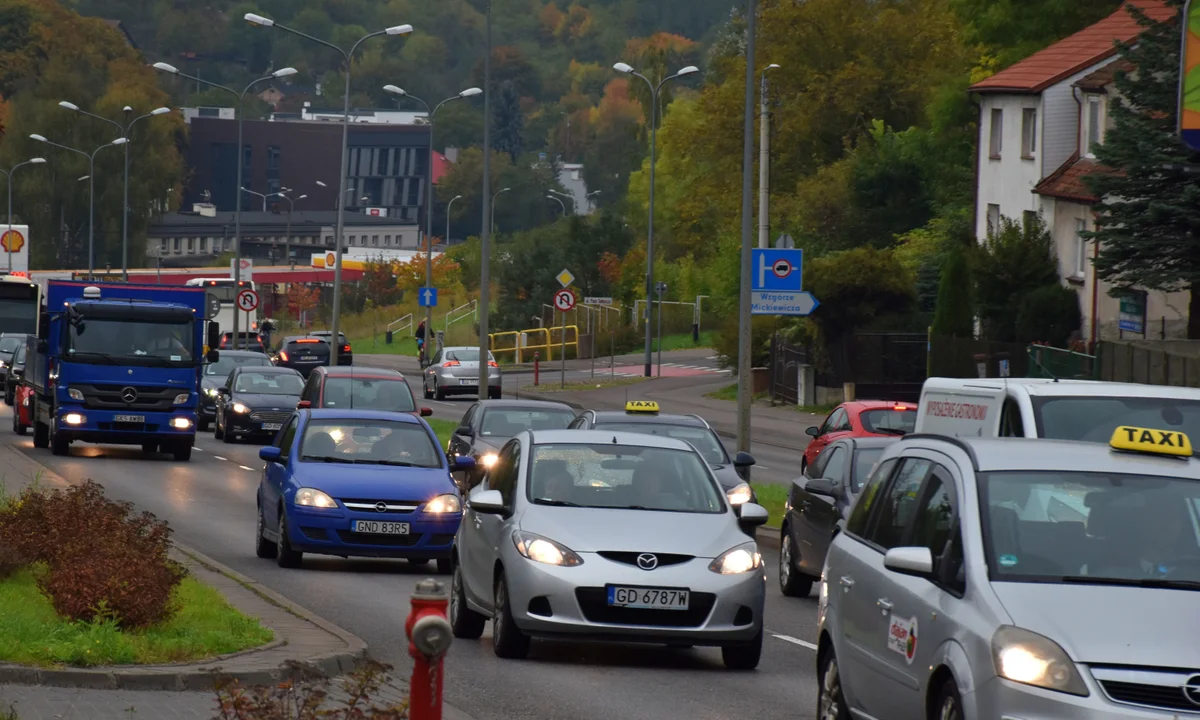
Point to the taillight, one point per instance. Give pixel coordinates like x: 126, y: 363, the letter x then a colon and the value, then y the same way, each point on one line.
x: 492, y: 363
x: 283, y: 356
x: 450, y: 363
x: 345, y: 348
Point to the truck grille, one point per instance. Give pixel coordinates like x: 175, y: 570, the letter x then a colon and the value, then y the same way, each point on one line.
x: 109, y: 397
x: 270, y: 416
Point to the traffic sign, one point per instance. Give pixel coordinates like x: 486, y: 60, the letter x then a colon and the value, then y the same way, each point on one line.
x: 777, y: 269
x: 427, y: 297
x: 565, y: 278
x: 597, y: 301
x: 214, y: 306
x: 247, y: 300
x: 785, y: 241
x: 770, y: 302
x: 564, y: 300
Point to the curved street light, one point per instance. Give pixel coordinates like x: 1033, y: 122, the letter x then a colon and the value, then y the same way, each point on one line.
x: 8, y: 177
x: 560, y: 204
x: 498, y: 194
x: 448, y: 206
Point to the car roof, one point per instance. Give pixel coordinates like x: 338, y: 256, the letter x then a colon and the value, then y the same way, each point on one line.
x: 603, y: 437
x: 243, y: 353
x: 14, y: 334
x: 1040, y: 454
x: 649, y: 418
x: 527, y: 404
x: 462, y: 347
x: 267, y: 369
x: 349, y: 414
x: 370, y: 372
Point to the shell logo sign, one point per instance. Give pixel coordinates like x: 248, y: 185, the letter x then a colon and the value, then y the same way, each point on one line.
x: 12, y: 241
x: 327, y: 261
x: 330, y: 260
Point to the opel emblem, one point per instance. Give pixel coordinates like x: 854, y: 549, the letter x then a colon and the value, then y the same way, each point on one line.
x: 1191, y: 690
x: 129, y: 394
x: 380, y: 507
x: 646, y: 561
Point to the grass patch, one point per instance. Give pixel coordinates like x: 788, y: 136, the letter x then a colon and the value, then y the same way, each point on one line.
x: 684, y: 341
x: 772, y: 497
x: 204, y: 625
x: 442, y: 428
x: 730, y: 393
x: 584, y: 385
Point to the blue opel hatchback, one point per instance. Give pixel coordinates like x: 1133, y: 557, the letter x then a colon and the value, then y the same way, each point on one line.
x: 358, y: 483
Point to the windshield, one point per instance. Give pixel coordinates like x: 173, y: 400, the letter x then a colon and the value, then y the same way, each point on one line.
x: 1093, y: 419
x: 889, y: 421
x: 1090, y: 527
x: 701, y: 438
x: 368, y: 394
x: 864, y: 462
x: 465, y: 355
x: 369, y: 442
x: 9, y: 345
x: 622, y: 477
x: 254, y: 383
x: 141, y: 342
x: 19, y: 316
x: 227, y: 363
x: 507, y: 422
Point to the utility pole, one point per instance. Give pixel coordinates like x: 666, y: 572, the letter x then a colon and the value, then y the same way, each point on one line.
x: 485, y: 234
x: 745, y: 387
x: 764, y: 163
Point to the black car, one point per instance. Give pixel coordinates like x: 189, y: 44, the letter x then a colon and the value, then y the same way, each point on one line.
x: 642, y: 416
x: 9, y: 342
x: 489, y: 424
x: 216, y: 374
x: 246, y: 341
x: 345, y: 352
x: 819, y: 504
x: 302, y: 353
x: 16, y: 370
x: 256, y: 401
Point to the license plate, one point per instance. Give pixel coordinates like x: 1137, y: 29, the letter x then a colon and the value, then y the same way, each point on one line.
x: 377, y: 527
x: 468, y: 382
x: 272, y: 426
x: 129, y: 418
x: 647, y: 598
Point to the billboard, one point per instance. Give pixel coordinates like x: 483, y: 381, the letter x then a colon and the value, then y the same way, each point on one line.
x: 14, y: 242
x: 1189, y: 76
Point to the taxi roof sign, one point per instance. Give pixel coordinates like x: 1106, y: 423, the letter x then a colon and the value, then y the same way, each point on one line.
x: 641, y: 406
x: 1150, y: 440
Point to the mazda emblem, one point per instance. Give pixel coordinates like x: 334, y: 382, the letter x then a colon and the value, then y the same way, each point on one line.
x: 646, y: 561
x: 380, y: 507
x: 129, y: 394
x: 1191, y: 690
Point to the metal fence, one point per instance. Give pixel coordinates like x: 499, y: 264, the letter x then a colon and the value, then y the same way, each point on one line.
x: 888, y: 366
x: 1049, y: 362
x: 785, y: 363
x: 1153, y: 364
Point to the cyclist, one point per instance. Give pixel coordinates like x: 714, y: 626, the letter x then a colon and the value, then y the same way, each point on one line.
x: 420, y: 335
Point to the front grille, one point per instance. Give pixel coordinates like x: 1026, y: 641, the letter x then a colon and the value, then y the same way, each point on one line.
x: 391, y: 507
x: 1167, y: 697
x: 630, y: 558
x: 593, y: 601
x: 270, y: 416
x: 354, y: 538
x: 108, y: 397
x: 132, y: 427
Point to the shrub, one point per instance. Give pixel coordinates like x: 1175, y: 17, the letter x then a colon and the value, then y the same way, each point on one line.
x: 308, y: 698
x: 11, y: 560
x: 725, y: 342
x: 1048, y: 314
x: 112, y: 582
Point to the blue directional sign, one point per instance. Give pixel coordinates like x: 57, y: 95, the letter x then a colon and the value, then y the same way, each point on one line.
x: 776, y: 283
x: 427, y: 297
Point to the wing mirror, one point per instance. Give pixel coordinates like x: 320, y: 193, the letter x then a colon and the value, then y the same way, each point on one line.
x: 823, y: 488
x: 213, y: 355
x: 488, y: 502
x: 915, y: 561
x: 465, y: 431
x: 270, y: 454
x: 752, y: 514
x: 743, y: 460
x: 814, y: 431
x: 223, y: 390
x: 426, y: 412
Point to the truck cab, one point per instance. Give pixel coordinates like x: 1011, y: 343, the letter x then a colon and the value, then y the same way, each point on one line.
x: 119, y: 364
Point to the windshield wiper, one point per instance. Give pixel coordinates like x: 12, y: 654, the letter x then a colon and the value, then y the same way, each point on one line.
x: 890, y: 431
x: 104, y: 357
x: 327, y: 458
x: 394, y: 463
x: 555, y: 503
x: 1131, y: 582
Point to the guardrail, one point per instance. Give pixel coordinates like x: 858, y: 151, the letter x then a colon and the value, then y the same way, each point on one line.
x: 402, y: 323
x: 472, y: 311
x: 522, y: 344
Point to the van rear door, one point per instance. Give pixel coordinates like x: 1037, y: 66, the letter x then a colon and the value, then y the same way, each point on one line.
x: 959, y: 409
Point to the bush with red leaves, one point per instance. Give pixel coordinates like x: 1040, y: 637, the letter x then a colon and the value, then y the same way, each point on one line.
x: 10, y: 562
x: 308, y: 697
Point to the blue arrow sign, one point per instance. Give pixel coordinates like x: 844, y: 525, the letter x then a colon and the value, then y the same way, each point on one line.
x: 767, y: 302
x: 427, y: 297
x: 777, y: 269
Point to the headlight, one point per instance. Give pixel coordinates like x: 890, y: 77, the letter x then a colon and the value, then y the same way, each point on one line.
x: 740, y: 494
x: 74, y: 419
x: 738, y: 560
x: 181, y: 398
x: 240, y: 409
x: 75, y: 394
x: 488, y: 460
x: 448, y: 503
x: 1031, y: 659
x: 310, y: 497
x: 545, y: 550
x: 211, y: 392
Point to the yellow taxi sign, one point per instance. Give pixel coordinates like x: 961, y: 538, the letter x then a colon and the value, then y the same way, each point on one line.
x: 641, y: 406
x: 1150, y: 440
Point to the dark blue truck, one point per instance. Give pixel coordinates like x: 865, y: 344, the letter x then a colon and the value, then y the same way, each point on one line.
x: 120, y: 364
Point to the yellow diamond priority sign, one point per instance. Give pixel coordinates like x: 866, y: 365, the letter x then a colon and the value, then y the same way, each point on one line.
x: 565, y: 278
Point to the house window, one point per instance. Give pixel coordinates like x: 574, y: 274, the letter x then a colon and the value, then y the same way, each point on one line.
x: 1028, y: 133
x: 996, y: 143
x: 387, y: 240
x: 1080, y: 248
x: 993, y: 219
x: 191, y: 244
x: 374, y: 241
x: 175, y: 245
x: 1029, y: 220
x: 1095, y: 129
x: 328, y: 239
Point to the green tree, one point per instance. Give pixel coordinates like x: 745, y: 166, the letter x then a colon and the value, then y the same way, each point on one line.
x: 955, y: 313
x: 1049, y: 314
x: 1017, y: 259
x: 856, y: 288
x: 1149, y: 215
x: 1013, y: 29
x: 508, y: 125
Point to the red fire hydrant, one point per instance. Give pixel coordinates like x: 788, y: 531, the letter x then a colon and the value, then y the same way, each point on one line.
x: 429, y: 637
x: 535, y: 368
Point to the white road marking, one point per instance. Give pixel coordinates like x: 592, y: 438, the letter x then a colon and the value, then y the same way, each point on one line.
x: 198, y: 448
x: 220, y: 458
x: 795, y: 641
x: 762, y: 467
x: 249, y: 469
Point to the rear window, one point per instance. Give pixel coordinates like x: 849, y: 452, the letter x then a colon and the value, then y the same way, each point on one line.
x: 309, y: 345
x: 889, y: 421
x: 368, y: 394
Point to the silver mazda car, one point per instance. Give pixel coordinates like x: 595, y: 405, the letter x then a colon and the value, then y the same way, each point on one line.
x: 608, y: 536
x: 455, y: 371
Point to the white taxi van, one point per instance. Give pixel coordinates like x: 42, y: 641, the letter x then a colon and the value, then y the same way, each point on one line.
x: 1086, y: 410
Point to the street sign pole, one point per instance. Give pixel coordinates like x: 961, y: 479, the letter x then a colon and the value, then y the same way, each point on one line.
x: 563, y: 360
x: 745, y: 338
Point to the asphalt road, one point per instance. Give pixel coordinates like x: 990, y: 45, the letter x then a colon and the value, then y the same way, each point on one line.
x: 210, y: 504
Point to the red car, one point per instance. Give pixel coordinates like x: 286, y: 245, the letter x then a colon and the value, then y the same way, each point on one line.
x: 360, y: 388
x: 22, y: 408
x: 861, y: 418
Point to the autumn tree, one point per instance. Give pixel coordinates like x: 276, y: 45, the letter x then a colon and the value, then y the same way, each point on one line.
x: 302, y: 299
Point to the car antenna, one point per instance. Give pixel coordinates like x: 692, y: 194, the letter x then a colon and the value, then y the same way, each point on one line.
x: 1044, y: 368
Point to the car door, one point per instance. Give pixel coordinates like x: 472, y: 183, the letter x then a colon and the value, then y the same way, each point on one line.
x: 834, y: 427
x: 312, y: 390
x: 816, y: 516
x: 432, y: 368
x: 461, y: 444
x: 476, y: 555
x: 275, y: 474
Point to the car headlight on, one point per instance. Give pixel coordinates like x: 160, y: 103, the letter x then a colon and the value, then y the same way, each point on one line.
x: 75, y: 394
x: 448, y: 503
x: 740, y: 494
x: 240, y: 409
x: 311, y: 497
x: 211, y: 392
x: 1031, y: 659
x: 181, y: 398
x: 545, y: 550
x: 738, y: 560
x: 488, y: 459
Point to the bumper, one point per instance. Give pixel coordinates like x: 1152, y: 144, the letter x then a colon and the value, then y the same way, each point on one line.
x: 243, y: 425
x: 328, y: 532
x: 101, y: 426
x: 456, y: 386
x: 998, y: 698
x: 723, y: 609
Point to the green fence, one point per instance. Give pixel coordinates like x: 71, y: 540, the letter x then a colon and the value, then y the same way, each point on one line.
x: 1049, y: 362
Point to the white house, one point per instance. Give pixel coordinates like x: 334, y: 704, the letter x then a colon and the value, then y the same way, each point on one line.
x: 1038, y: 120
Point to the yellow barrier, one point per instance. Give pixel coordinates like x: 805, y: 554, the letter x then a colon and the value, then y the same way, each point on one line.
x: 524, y: 343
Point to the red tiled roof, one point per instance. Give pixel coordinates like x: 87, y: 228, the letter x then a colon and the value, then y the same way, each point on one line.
x: 1075, y: 53
x: 1066, y: 183
x: 441, y: 166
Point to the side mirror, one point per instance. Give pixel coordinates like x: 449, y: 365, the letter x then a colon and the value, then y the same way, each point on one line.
x: 814, y: 431
x: 752, y: 514
x: 213, y: 356
x: 743, y: 460
x: 488, y: 502
x: 426, y: 412
x: 823, y: 488
x: 303, y: 405
x: 915, y: 561
x: 223, y: 390
x: 463, y: 462
x: 214, y: 335
x: 465, y: 431
x: 270, y: 454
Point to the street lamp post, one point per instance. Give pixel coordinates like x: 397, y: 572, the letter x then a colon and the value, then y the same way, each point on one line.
x: 745, y: 395
x: 469, y: 92
x: 241, y: 161
x: 485, y: 234
x: 8, y: 177
x: 91, y: 192
x: 498, y: 194
x: 560, y: 203
x: 654, y: 90
x: 255, y: 19
x: 574, y: 205
x: 448, y: 206
x: 287, y: 238
x: 264, y: 196
x: 764, y: 162
x: 588, y: 205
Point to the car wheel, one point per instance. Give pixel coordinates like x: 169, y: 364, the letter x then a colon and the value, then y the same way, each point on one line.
x: 263, y: 547
x: 285, y: 556
x: 428, y: 392
x: 41, y: 435
x: 182, y: 452
x: 228, y: 436
x: 791, y: 582
x: 438, y: 392
x: 507, y: 639
x: 743, y: 656
x: 8, y: 397
x: 219, y: 431
x: 464, y: 622
x: 59, y: 445
x: 949, y: 702
x: 831, y: 703
x: 444, y: 566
